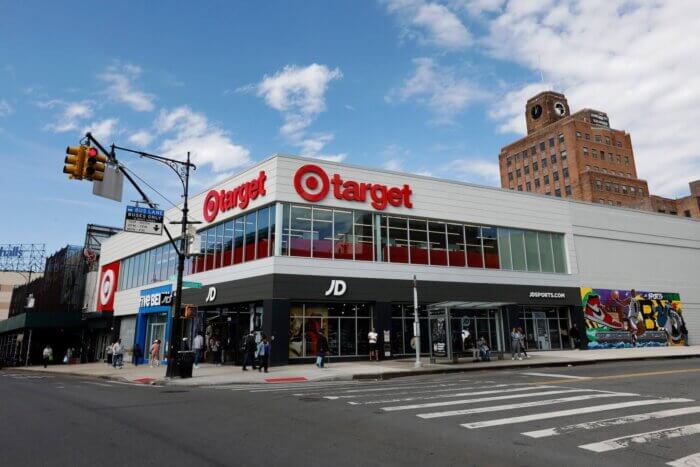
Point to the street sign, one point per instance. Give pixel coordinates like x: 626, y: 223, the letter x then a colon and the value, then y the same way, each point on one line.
x: 192, y: 285
x: 112, y: 186
x: 143, y: 220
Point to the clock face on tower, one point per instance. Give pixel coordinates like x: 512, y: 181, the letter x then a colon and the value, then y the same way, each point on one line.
x: 559, y: 109
x: 536, y: 111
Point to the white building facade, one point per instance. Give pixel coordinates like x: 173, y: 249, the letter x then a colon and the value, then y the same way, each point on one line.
x: 297, y: 248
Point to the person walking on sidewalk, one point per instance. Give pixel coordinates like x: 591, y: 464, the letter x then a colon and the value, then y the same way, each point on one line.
x: 322, y: 344
x: 373, y: 349
x: 263, y: 353
x: 155, y: 353
x: 118, y: 355
x: 575, y: 335
x: 198, y: 347
x: 215, y: 346
x: 515, y: 344
x: 249, y: 348
x: 47, y: 355
x: 523, y: 342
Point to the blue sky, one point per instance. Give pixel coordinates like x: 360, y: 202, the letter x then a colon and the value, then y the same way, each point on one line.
x: 421, y: 86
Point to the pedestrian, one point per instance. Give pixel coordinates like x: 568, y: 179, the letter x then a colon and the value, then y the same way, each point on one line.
x: 373, y: 350
x: 633, y: 310
x: 198, y: 346
x: 575, y: 335
x: 155, y: 353
x: 249, y: 348
x: 515, y: 344
x: 322, y: 348
x: 263, y: 353
x: 47, y: 355
x: 484, y: 350
x: 118, y: 355
x: 136, y: 358
x: 523, y: 341
x: 109, y: 349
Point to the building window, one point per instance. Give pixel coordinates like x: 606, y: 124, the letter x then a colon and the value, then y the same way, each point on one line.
x: 585, y: 151
x: 605, y: 170
x: 598, y: 139
x: 596, y: 168
x: 475, y: 257
x: 551, y: 142
x: 607, y: 140
x: 555, y: 176
x: 641, y: 192
x: 510, y: 176
x: 520, y: 188
x: 588, y: 167
x: 563, y: 155
x: 456, y: 250
x: 541, y: 145
x: 546, y: 179
x: 567, y: 190
x: 662, y: 211
x: 527, y: 169
x: 549, y: 192
x: 534, y: 166
x: 565, y: 172
x: 633, y: 191
x: 557, y: 192
x: 607, y: 186
x: 619, y: 159
x: 624, y: 189
x: 627, y: 160
x: 561, y: 138
x: 531, y: 251
x: 578, y: 134
x: 616, y: 188
x: 533, y: 150
x: 517, y: 157
x: 601, y: 201
x: 599, y: 185
x: 509, y: 162
x: 544, y: 163
x: 528, y: 186
x: 686, y: 213
x: 554, y: 158
x: 619, y: 203
x: 610, y: 203
x: 619, y: 144
x: 595, y: 153
x: 537, y: 183
x: 588, y: 137
x: 517, y: 173
x: 611, y: 158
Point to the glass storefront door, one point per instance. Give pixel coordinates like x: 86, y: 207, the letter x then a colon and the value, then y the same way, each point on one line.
x: 546, y: 328
x: 155, y: 329
x: 541, y: 330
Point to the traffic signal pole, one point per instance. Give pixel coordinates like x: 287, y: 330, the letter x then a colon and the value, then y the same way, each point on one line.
x: 182, y: 170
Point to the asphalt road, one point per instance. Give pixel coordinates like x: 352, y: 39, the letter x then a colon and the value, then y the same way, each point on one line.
x: 621, y: 414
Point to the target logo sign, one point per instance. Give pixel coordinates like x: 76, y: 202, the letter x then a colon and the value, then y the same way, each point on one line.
x: 218, y: 201
x: 107, y: 286
x: 313, y: 184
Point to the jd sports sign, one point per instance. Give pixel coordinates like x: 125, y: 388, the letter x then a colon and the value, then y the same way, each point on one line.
x: 337, y: 288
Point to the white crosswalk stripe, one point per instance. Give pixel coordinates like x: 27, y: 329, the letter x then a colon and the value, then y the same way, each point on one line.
x: 599, y: 423
x: 483, y: 399
x: 453, y: 394
x: 692, y: 460
x: 554, y: 375
x: 453, y: 387
x: 496, y: 408
x: 641, y: 438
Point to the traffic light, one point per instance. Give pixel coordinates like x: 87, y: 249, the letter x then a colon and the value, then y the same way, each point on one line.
x: 94, y: 165
x: 75, y: 161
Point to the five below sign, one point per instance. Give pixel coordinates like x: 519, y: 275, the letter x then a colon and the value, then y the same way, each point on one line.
x: 143, y: 220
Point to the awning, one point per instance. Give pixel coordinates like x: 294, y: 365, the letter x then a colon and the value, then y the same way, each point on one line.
x: 457, y: 305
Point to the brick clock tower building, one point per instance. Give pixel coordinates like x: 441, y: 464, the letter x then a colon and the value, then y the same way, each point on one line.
x: 573, y: 155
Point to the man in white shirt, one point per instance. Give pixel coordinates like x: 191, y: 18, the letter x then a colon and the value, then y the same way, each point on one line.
x: 197, y: 346
x: 373, y: 350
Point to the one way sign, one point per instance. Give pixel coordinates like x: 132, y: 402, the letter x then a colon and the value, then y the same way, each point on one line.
x: 143, y: 220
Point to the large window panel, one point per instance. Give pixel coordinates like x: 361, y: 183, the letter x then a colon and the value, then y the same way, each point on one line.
x: 348, y: 346
x: 322, y: 233
x: 273, y: 221
x: 285, y: 229
x: 489, y: 237
x: 164, y: 263
x: 437, y: 241
x: 263, y: 233
x: 418, y: 240
x: 364, y: 236
x: 456, y: 245
x: 546, y: 255
x: 238, y: 239
x: 504, y: 248
x: 532, y: 251
x: 218, y: 246
x: 300, y: 231
x: 250, y: 225
x: 211, y: 242
x: 343, y: 245
x: 398, y: 240
x: 475, y: 257
x: 227, y: 256
x: 172, y: 262
x: 517, y: 246
x: 559, y: 253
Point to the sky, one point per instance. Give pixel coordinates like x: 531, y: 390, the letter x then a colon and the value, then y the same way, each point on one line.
x: 422, y: 86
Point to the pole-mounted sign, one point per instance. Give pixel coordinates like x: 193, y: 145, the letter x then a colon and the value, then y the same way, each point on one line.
x: 143, y: 220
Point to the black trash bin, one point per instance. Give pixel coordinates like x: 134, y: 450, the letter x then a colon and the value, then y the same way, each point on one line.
x: 185, y: 363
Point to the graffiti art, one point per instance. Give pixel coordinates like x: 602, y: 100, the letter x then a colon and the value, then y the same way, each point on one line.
x: 658, y: 321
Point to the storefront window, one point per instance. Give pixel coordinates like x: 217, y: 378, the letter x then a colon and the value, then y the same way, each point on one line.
x: 322, y: 233
x: 300, y: 231
x: 218, y: 246
x: 285, y: 229
x: 489, y: 237
x: 364, y: 236
x: 250, y: 226
x: 398, y: 240
x: 532, y: 253
x: 456, y: 245
x: 546, y: 255
x: 517, y: 246
x: 263, y: 246
x: 504, y: 248
x: 437, y: 239
x: 474, y: 253
x: 418, y: 240
x: 559, y: 253
x: 238, y: 239
x: 342, y: 225
x: 227, y: 257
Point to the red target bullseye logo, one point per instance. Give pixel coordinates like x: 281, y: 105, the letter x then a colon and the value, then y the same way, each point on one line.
x: 311, y: 182
x: 211, y: 205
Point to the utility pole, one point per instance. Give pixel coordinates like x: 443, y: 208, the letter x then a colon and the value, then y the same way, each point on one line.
x: 416, y: 323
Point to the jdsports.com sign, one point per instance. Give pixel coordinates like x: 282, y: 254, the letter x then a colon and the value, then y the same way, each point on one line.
x: 313, y: 184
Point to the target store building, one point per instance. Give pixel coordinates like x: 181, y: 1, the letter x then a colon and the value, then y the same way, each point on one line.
x: 295, y: 247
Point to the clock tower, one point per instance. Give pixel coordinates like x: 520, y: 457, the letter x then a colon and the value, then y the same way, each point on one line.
x: 544, y: 109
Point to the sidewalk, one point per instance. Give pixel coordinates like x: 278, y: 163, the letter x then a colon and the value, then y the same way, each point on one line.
x: 207, y: 375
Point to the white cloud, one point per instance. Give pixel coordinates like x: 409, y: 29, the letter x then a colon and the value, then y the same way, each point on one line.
x: 437, y: 88
x: 121, y: 87
x: 393, y: 164
x: 70, y: 116
x: 430, y: 23
x: 632, y: 59
x: 478, y: 7
x: 5, y: 108
x: 186, y: 130
x: 299, y: 95
x: 474, y: 170
x: 141, y: 138
x: 103, y: 130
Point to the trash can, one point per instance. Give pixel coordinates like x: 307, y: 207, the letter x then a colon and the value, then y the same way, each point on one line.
x: 185, y: 363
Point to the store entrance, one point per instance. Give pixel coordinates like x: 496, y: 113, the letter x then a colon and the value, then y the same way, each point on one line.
x: 546, y: 328
x: 224, y: 328
x: 541, y: 330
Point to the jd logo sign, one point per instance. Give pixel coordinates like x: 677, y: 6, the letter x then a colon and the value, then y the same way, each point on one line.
x: 211, y: 295
x: 337, y: 288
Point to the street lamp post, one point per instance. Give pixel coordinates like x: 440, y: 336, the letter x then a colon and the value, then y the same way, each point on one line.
x: 416, y: 324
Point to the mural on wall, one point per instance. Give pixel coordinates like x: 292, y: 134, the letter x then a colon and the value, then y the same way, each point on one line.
x: 654, y: 320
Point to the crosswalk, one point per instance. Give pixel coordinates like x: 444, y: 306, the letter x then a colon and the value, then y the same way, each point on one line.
x: 528, y: 408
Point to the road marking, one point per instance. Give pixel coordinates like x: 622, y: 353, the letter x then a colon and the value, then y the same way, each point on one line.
x: 553, y: 375
x: 482, y: 399
x: 641, y: 438
x: 97, y: 384
x: 458, y: 394
x: 601, y: 423
x: 520, y: 405
x: 433, y: 391
x: 692, y: 460
x: 623, y: 376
